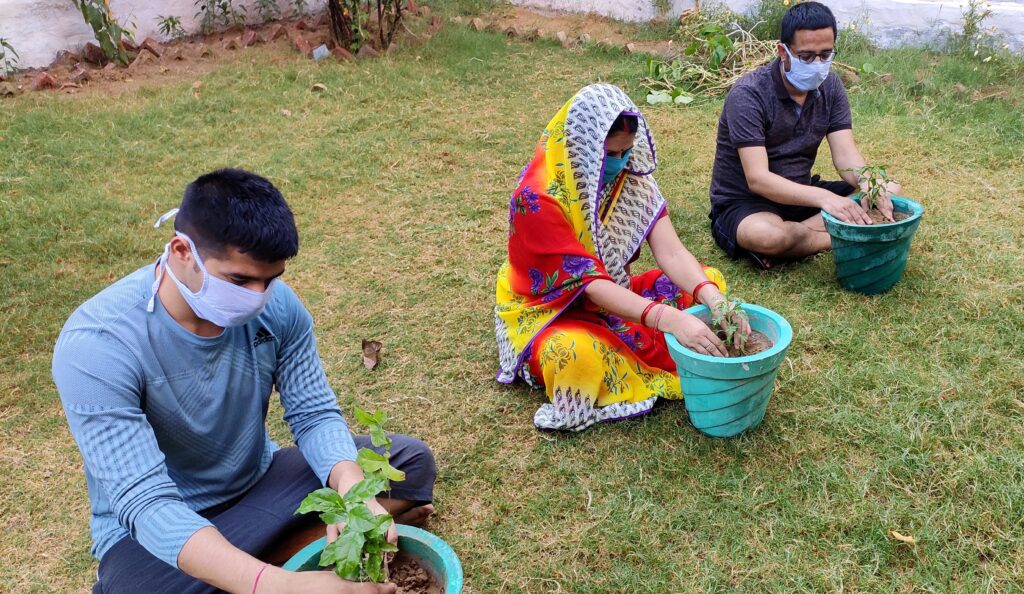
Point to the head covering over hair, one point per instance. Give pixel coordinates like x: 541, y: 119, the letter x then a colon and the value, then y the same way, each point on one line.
x: 565, y: 229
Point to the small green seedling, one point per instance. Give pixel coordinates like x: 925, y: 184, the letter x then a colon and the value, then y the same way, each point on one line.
x: 876, y: 178
x: 170, y: 27
x: 726, y: 315
x: 358, y: 554
x: 8, y: 57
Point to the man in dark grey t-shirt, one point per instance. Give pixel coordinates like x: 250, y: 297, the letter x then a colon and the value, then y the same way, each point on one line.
x: 764, y: 202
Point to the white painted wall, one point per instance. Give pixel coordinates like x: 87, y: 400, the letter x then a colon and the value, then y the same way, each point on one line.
x: 38, y: 29
x: 890, y: 22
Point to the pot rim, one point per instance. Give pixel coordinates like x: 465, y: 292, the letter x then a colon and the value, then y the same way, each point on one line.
x: 916, y: 210
x: 785, y: 337
x: 452, y: 565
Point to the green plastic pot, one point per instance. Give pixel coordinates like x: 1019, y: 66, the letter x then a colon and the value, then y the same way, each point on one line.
x: 433, y: 554
x: 725, y: 396
x: 870, y: 259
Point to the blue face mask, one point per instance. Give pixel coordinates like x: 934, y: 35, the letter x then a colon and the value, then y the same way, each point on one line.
x: 806, y: 77
x: 613, y: 166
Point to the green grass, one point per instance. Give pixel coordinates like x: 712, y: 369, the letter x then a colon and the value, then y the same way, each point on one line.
x: 901, y: 412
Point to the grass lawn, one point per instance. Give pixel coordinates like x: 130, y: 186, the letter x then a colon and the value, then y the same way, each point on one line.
x: 902, y: 412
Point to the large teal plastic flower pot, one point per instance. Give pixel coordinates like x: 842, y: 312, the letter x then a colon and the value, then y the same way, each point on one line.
x: 433, y: 554
x: 726, y: 396
x: 870, y: 259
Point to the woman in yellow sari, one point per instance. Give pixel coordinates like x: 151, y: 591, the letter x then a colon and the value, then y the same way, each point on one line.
x: 569, y: 316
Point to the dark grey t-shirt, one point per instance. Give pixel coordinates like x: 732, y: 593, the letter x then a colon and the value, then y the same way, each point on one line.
x: 759, y: 112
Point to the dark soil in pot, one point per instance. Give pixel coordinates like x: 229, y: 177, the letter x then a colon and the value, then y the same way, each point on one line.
x: 877, y: 218
x: 411, y: 578
x: 755, y: 343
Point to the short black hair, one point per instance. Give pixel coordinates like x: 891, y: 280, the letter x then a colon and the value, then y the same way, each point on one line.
x: 807, y: 16
x: 625, y: 123
x: 236, y: 208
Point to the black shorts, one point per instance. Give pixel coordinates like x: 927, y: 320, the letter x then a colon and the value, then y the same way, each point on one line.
x: 725, y: 218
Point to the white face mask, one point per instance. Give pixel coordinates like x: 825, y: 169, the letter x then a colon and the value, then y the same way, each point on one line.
x: 219, y: 302
x: 806, y: 77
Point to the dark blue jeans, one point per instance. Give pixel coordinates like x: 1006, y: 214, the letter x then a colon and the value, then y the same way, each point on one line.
x: 257, y: 520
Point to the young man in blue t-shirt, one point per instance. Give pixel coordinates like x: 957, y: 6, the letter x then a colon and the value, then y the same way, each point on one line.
x: 764, y: 202
x: 165, y: 378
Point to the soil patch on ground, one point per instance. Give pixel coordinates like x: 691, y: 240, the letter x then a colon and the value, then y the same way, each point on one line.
x: 600, y: 29
x: 197, y: 55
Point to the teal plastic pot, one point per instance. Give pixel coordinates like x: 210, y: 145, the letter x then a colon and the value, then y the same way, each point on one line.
x: 870, y: 259
x: 726, y: 396
x: 433, y: 554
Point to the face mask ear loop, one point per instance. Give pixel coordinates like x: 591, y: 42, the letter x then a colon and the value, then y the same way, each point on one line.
x: 199, y: 261
x: 165, y: 217
x: 161, y: 263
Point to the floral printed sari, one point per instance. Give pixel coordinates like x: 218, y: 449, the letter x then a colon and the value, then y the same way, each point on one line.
x: 566, y: 230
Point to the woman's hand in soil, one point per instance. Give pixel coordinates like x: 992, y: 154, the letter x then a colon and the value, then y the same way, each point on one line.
x: 846, y: 210
x: 279, y: 581
x: 692, y: 333
x: 743, y: 329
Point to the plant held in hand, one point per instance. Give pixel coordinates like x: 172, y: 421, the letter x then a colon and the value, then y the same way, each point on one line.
x: 876, y: 178
x: 358, y: 553
x: 726, y: 315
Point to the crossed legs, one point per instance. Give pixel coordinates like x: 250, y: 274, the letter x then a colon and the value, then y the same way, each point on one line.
x: 768, y: 234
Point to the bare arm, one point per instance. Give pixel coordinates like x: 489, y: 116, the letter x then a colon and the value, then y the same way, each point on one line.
x: 845, y: 156
x: 776, y: 188
x: 209, y: 557
x: 626, y: 304
x: 683, y: 269
x: 847, y: 159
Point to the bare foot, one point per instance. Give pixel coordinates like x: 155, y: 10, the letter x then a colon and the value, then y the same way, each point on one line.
x: 416, y: 516
x: 762, y: 262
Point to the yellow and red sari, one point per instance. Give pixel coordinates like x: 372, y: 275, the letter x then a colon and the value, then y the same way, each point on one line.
x: 566, y: 230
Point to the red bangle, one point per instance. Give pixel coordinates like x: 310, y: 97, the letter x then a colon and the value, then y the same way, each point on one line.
x: 647, y: 310
x: 697, y: 289
x: 256, y: 582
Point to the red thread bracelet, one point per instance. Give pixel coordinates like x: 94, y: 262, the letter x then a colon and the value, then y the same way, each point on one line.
x: 657, y: 317
x: 697, y: 289
x: 256, y: 582
x: 647, y: 310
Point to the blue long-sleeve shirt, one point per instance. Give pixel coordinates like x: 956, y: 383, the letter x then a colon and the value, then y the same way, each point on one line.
x: 170, y: 423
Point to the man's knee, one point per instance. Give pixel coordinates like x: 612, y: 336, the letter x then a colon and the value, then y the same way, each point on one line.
x: 770, y: 238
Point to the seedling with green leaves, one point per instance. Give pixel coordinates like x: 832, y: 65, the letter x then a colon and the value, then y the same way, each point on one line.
x: 726, y: 315
x: 170, y: 27
x: 8, y: 57
x: 876, y: 178
x: 358, y: 553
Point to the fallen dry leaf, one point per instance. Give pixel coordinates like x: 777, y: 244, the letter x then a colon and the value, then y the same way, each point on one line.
x: 371, y: 353
x: 903, y: 537
x: 319, y: 87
